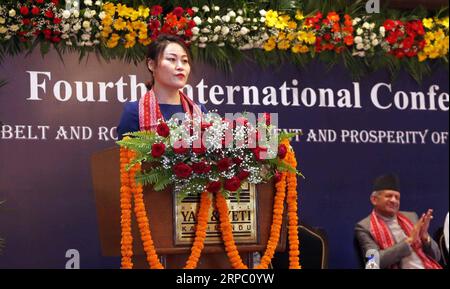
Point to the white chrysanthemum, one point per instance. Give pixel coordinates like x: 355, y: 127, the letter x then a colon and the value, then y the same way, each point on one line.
x: 3, y: 29
x: 14, y: 28
x: 375, y: 42
x: 367, y: 47
x: 76, y: 13
x: 215, y: 38
x: 232, y: 13
x: 359, y: 31
x: 360, y: 46
x: 382, y: 30
x: 98, y: 3
x: 66, y: 14
x: 205, y: 8
x: 366, y: 25
x: 372, y: 25
x: 239, y: 20
x: 217, y: 29
x: 205, y: 30
x: 2, y: 20
x: 12, y: 13
x: 225, y: 30
x: 76, y: 27
x: 356, y: 20
x: 221, y: 44
x: 86, y: 37
x: 195, y: 30
x: 195, y: 9
x: 102, y: 15
x: 358, y: 39
x: 216, y: 8
x: 244, y: 31
x: 226, y: 18
x: 217, y: 18
x: 209, y: 20
x: 262, y: 20
x: 75, y: 4
x: 203, y: 39
x: 240, y: 12
x: 86, y: 24
x: 66, y: 27
x: 197, y: 20
x: 262, y: 13
x: 88, y: 2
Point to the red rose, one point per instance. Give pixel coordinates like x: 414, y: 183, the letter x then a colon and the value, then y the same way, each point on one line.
x: 56, y: 2
x: 158, y: 150
x: 260, y: 153
x: 154, y: 24
x: 327, y: 37
x: 277, y: 177
x: 191, y: 24
x: 49, y: 14
x: 182, y: 170
x: 180, y: 147
x: 56, y: 39
x: 188, y: 33
x: 201, y: 168
x: 163, y: 130
x: 35, y: 10
x: 389, y: 24
x: 190, y: 12
x: 242, y: 175
x: 237, y: 161
x: 156, y: 10
x: 40, y: 1
x: 200, y: 150
x: 178, y: 11
x: 24, y: 10
x: 214, y: 187
x: 282, y: 151
x: 56, y: 20
x: 224, y: 164
x: 232, y: 184
x: 26, y: 21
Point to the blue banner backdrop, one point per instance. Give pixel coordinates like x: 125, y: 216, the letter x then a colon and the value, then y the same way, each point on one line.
x: 56, y: 114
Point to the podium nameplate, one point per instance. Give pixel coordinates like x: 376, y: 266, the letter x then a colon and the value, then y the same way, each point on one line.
x: 242, y: 214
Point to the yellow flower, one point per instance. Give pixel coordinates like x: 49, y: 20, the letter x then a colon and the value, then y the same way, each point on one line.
x: 143, y: 11
x: 298, y: 48
x: 282, y: 22
x: 107, y: 21
x: 299, y: 15
x: 281, y: 35
x: 109, y: 8
x: 271, y: 18
x: 123, y: 10
x: 284, y: 44
x: 443, y: 22
x: 422, y: 56
x: 428, y: 23
x: 139, y: 25
x: 270, y: 44
x: 292, y: 25
x: 146, y: 41
x: 304, y: 49
x: 307, y: 37
x: 113, y: 41
x: 291, y: 36
x: 119, y: 24
x: 143, y: 35
x: 134, y: 15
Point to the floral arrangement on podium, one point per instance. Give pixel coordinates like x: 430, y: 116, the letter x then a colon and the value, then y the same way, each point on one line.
x: 208, y: 156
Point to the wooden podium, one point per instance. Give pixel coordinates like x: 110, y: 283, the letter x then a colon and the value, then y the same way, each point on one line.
x: 106, y: 183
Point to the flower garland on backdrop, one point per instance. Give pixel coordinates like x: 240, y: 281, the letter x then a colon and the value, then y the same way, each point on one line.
x: 210, y: 157
x: 117, y: 30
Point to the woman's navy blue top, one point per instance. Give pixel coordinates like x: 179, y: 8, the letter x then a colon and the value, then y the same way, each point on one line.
x: 129, y: 122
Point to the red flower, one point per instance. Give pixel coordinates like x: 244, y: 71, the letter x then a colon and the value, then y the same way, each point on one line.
x: 277, y: 177
x: 26, y: 21
x: 242, y: 175
x: 182, y: 170
x: 201, y: 168
x: 154, y: 25
x: 407, y: 42
x: 56, y: 20
x: 214, y: 187
x: 56, y: 2
x: 224, y: 164
x: 163, y: 130
x: 180, y: 147
x: 56, y: 39
x: 282, y: 151
x: 188, y: 33
x: 178, y: 11
x: 389, y: 24
x: 200, y: 150
x: 24, y: 10
x: 232, y: 184
x: 327, y: 37
x: 260, y: 153
x: 47, y: 33
x: 190, y: 12
x: 158, y: 150
x: 35, y: 10
x: 191, y: 24
x: 40, y: 1
x: 156, y: 10
x: 49, y: 14
x: 237, y: 161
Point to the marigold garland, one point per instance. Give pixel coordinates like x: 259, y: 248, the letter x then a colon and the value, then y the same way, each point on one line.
x: 130, y: 187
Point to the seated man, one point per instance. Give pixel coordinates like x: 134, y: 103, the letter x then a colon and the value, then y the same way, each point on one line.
x: 400, y: 237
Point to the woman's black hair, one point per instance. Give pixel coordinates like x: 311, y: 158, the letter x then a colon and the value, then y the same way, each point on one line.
x: 157, y: 47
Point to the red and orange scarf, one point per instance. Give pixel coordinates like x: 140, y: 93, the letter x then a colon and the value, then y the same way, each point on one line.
x: 384, y: 239
x: 150, y: 112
